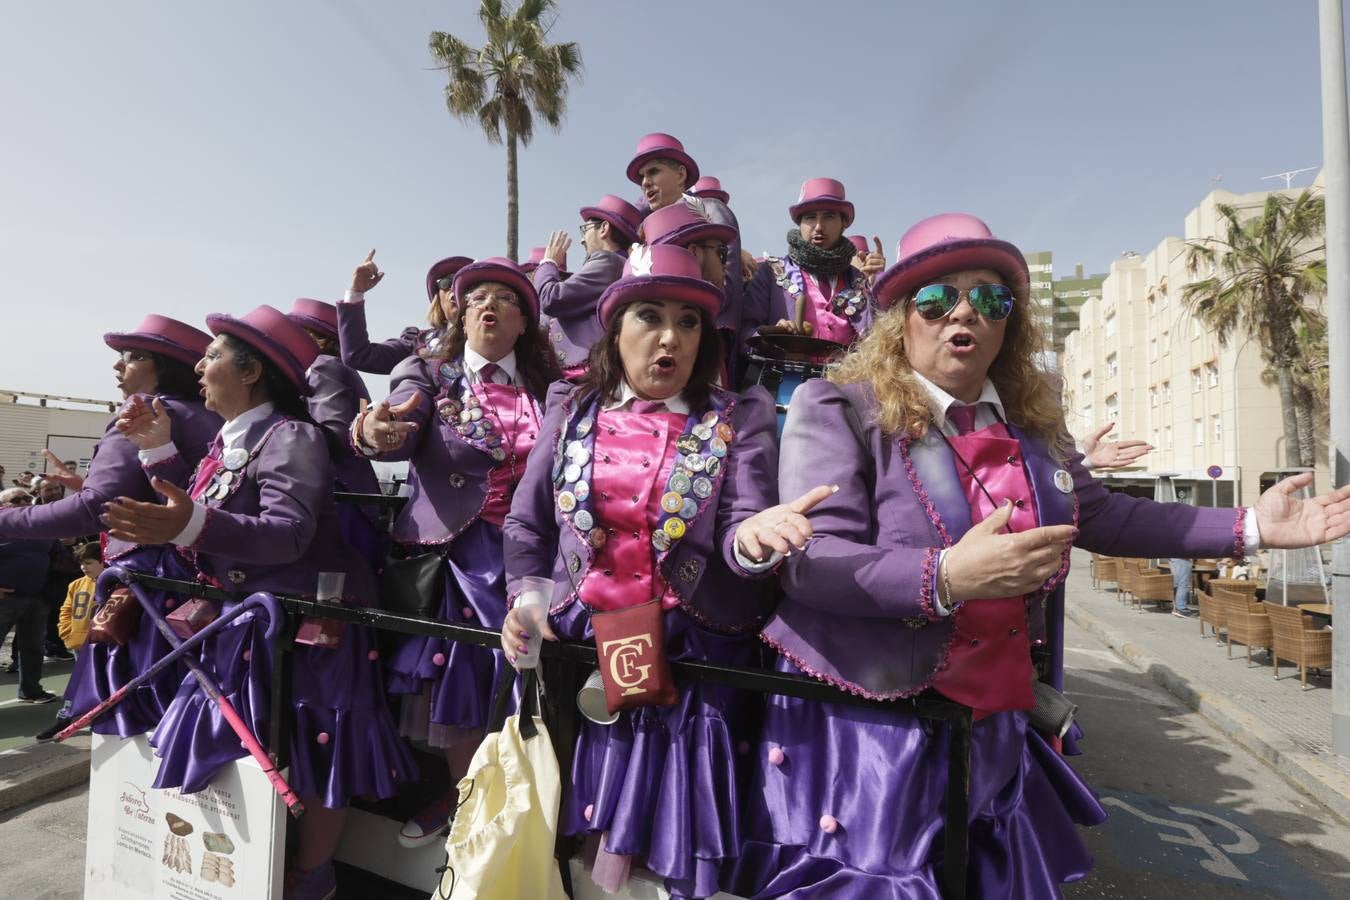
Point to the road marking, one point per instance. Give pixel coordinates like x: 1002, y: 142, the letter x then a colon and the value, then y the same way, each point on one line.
x: 1218, y: 863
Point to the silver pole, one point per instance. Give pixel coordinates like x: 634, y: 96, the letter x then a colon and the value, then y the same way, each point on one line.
x: 1336, y: 163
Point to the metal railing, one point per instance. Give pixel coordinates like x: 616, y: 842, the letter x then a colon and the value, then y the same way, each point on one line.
x: 574, y: 660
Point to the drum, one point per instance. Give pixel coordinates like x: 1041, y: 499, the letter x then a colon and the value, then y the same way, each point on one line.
x: 782, y: 362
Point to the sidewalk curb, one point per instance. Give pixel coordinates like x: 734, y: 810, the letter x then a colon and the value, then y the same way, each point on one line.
x: 38, y: 770
x: 1323, y: 783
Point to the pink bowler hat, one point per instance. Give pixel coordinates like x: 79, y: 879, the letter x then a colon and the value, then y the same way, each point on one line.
x: 682, y: 224
x: 267, y: 330
x: 659, y: 145
x: 315, y: 315
x: 946, y: 243
x: 708, y: 186
x: 660, y: 272
x: 445, y: 268
x: 860, y: 243
x: 621, y: 215
x: 822, y: 193
x: 167, y: 337
x: 537, y: 257
x: 501, y: 269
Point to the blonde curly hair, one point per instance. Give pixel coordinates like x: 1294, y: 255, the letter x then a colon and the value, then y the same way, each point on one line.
x: 1030, y: 396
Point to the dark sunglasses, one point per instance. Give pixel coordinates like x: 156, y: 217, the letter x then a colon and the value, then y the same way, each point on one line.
x: 993, y: 301
x: 722, y: 251
x: 445, y: 284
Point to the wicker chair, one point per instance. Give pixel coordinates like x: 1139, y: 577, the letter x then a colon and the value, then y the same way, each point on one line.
x: 1152, y: 586
x: 1297, y: 641
x: 1240, y: 586
x: 1247, y: 622
x: 1128, y: 571
x: 1213, y: 613
x: 1104, y: 568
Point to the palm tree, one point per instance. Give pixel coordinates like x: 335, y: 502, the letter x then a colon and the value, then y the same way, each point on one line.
x: 1267, y: 275
x: 515, y: 76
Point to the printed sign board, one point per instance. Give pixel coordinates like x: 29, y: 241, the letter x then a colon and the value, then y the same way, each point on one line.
x: 226, y: 842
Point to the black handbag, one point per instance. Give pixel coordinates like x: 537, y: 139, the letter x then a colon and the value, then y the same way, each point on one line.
x: 413, y: 586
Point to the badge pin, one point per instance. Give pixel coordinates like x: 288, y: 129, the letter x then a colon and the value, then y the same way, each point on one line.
x: 689, y: 508
x: 596, y: 538
x: 584, y: 520
x: 695, y: 463
x: 497, y: 453
x: 702, y: 488
x: 709, y: 418
x: 675, y: 528
x: 567, y: 501
x: 582, y: 490
x: 724, y: 432
x: 661, y: 540
x: 717, y: 447
x: 235, y: 459
x: 714, y: 466
x: 679, y: 483
x: 702, y: 432
x: 671, y: 502
x: 584, y: 426
x: 226, y: 477
x: 572, y: 472
x: 1063, y: 481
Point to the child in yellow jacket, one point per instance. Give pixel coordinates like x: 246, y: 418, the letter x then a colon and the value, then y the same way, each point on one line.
x: 78, y: 609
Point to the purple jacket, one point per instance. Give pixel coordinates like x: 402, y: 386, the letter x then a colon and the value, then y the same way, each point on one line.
x: 377, y: 359
x: 570, y: 306
x: 858, y: 611
x: 337, y: 392
x: 767, y: 301
x: 448, y: 474
x: 699, y: 567
x: 277, y: 528
x: 114, y: 471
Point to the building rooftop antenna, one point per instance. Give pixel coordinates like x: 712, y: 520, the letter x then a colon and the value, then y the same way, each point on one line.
x: 1288, y: 176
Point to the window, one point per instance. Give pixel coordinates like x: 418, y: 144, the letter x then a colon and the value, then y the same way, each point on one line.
x: 1167, y: 391
x: 1157, y: 441
x: 1110, y: 323
x: 1166, y: 341
x: 1112, y: 369
x: 1196, y: 381
x: 1112, y: 407
x: 1152, y: 349
x: 1085, y: 388
x: 1167, y: 437
x: 1212, y: 374
x: 1217, y: 424
x: 1153, y: 398
x: 1198, y: 430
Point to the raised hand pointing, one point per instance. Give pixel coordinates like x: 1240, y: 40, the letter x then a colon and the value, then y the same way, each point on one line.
x: 780, y: 528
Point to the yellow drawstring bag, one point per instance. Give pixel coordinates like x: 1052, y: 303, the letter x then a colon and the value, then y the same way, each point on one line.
x: 501, y: 842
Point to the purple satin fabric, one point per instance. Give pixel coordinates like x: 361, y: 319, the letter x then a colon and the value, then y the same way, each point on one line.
x: 461, y: 687
x: 102, y: 669
x: 881, y: 775
x: 662, y: 780
x: 344, y: 742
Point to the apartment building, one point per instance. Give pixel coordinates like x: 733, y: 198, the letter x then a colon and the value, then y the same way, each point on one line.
x: 1138, y: 358
x: 1056, y: 301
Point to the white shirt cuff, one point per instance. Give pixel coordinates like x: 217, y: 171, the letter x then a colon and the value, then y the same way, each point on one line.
x: 157, y: 454
x: 939, y: 607
x: 354, y: 296
x: 193, y: 529
x: 1087, y: 463
x: 755, y: 568
x: 1251, y: 532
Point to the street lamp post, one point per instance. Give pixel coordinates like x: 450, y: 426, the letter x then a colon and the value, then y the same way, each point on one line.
x: 1336, y: 164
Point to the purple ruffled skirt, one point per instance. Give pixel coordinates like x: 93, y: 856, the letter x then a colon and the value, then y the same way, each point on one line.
x: 455, y: 679
x: 102, y: 669
x: 881, y: 776
x: 661, y: 781
x: 343, y: 743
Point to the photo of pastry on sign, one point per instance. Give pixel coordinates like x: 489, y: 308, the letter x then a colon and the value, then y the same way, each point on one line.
x: 632, y: 647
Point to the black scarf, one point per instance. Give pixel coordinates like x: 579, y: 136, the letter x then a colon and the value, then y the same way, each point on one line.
x: 817, y: 260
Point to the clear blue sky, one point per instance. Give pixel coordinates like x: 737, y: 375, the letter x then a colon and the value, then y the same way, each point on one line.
x: 186, y: 158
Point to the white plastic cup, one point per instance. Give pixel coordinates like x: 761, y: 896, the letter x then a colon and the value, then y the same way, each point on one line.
x: 591, y: 700
x: 532, y: 606
x: 330, y: 587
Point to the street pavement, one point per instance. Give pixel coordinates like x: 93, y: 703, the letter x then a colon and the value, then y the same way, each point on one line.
x: 1191, y: 813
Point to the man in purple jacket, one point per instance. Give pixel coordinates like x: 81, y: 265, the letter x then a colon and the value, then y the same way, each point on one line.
x: 568, y: 306
x: 23, y: 571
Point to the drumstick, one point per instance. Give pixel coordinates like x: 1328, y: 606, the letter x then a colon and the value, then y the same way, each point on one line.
x: 801, y: 311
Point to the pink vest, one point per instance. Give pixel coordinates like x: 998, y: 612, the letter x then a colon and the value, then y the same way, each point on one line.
x: 513, y: 421
x: 989, y: 665
x: 825, y: 322
x: 634, y: 455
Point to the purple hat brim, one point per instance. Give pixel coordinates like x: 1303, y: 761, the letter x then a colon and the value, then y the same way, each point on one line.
x: 220, y: 323
x: 684, y: 159
x: 122, y: 340
x: 313, y: 324
x: 477, y: 273
x: 843, y: 207
x: 451, y: 264
x: 954, y: 256
x: 683, y: 237
x: 702, y: 294
x: 615, y: 222
x: 713, y: 195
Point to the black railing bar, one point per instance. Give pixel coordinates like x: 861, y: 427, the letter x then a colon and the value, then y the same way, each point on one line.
x: 760, y: 680
x: 382, y: 499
